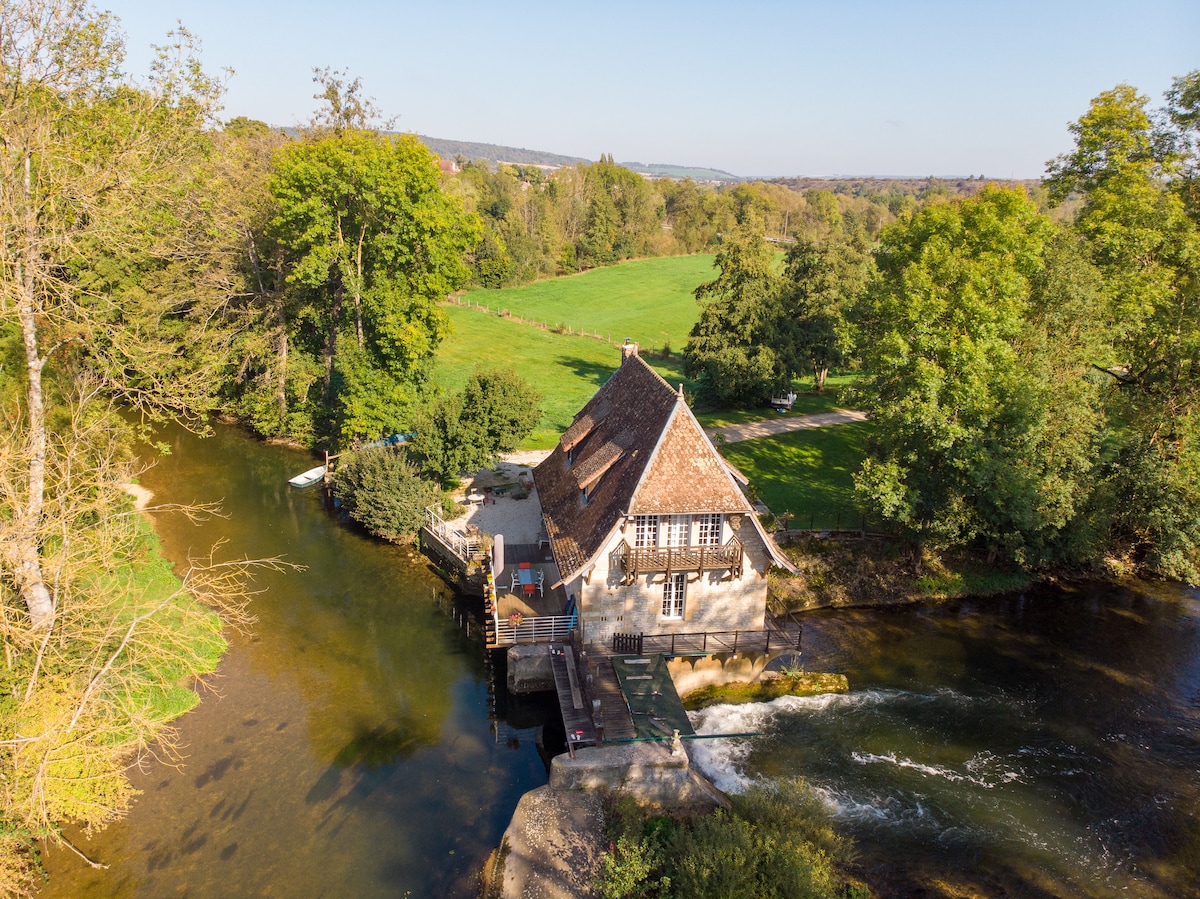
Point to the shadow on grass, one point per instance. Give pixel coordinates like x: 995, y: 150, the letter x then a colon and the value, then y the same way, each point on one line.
x: 591, y: 372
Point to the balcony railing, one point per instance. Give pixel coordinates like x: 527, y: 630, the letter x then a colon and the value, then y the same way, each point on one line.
x: 641, y: 560
x: 539, y: 629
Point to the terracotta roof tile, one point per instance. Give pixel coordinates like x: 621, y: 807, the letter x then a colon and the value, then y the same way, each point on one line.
x: 687, y: 475
x: 635, y: 445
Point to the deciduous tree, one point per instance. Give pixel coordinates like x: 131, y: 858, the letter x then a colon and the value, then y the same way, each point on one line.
x: 373, y: 245
x: 970, y: 441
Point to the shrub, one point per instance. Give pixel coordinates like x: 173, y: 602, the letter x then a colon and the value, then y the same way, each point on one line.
x: 775, y: 841
x: 494, y: 412
x: 384, y: 493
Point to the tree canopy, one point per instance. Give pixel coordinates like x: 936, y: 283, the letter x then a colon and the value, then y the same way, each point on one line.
x: 372, y: 245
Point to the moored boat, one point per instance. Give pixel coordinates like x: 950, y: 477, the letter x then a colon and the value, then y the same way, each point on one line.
x: 308, y: 478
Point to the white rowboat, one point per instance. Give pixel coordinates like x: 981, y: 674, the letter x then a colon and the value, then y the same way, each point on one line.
x: 308, y: 478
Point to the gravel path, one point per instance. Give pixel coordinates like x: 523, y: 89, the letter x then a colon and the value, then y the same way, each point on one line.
x: 771, y: 426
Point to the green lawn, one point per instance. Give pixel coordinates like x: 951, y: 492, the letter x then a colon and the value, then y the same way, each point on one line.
x: 808, y: 473
x: 807, y: 402
x: 648, y: 300
x: 566, y: 370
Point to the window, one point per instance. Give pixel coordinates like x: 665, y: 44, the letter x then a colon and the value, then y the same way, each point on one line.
x: 677, y: 530
x: 645, y: 531
x: 709, y: 531
x: 674, y: 591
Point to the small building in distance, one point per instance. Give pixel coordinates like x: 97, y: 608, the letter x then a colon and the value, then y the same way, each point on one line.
x: 648, y: 527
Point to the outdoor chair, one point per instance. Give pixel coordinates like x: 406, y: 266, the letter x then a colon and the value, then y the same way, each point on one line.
x: 516, y: 583
x: 541, y: 582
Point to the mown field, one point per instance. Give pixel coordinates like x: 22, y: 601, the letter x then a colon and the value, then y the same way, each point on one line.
x: 807, y: 473
x: 567, y: 370
x: 650, y: 301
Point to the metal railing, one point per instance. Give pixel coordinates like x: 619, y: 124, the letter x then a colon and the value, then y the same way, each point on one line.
x: 465, y: 546
x: 644, y: 559
x: 774, y: 635
x: 538, y: 629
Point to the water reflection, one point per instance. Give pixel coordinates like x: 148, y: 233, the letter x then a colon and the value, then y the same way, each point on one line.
x: 342, y: 749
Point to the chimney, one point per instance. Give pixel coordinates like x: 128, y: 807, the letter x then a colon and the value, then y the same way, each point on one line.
x: 628, y: 348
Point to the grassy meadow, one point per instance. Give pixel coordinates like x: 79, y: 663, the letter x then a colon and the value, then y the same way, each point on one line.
x: 808, y: 473
x: 651, y: 301
x: 648, y: 300
x: 567, y: 370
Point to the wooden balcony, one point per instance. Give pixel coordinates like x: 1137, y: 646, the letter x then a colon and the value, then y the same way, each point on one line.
x: 641, y: 560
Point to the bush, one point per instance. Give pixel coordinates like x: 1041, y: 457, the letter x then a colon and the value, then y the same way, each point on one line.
x: 384, y: 493
x: 775, y: 841
x: 495, y: 411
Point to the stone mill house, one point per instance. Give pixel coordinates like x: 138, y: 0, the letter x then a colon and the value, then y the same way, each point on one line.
x: 648, y: 527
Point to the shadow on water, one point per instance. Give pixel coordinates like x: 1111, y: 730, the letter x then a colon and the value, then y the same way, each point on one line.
x: 346, y: 747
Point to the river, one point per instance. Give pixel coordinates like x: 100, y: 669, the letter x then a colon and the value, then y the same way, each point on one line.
x: 1039, y: 745
x: 344, y: 748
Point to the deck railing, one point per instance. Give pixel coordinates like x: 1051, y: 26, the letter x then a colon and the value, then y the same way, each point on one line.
x: 465, y: 546
x: 652, y: 559
x: 539, y: 629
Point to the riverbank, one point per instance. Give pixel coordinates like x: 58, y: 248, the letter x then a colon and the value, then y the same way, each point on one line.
x: 851, y: 571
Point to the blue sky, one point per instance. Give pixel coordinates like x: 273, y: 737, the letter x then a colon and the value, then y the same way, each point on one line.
x: 758, y: 88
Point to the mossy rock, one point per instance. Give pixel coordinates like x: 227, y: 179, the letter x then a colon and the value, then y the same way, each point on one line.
x: 805, y: 684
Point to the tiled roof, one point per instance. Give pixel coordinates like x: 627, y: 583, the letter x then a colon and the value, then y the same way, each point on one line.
x: 686, y: 474
x: 637, y: 447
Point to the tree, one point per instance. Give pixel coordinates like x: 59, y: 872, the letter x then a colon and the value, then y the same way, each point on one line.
x: 822, y: 282
x: 1141, y: 230
x: 729, y: 348
x: 115, y: 288
x: 973, y: 440
x: 495, y: 411
x: 94, y: 196
x: 366, y: 225
x: 383, y: 492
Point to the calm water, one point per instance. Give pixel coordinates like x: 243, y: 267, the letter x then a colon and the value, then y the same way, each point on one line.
x: 344, y: 748
x: 1042, y: 745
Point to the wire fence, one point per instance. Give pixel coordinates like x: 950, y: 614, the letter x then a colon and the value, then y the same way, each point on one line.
x: 555, y: 327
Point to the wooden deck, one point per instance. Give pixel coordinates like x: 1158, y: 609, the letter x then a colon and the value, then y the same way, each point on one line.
x: 600, y: 684
x: 576, y: 713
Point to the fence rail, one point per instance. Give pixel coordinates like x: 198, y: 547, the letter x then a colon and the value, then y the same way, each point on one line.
x: 775, y: 634
x: 540, y: 629
x: 639, y: 560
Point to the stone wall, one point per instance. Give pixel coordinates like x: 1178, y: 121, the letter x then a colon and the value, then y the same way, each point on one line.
x: 695, y: 673
x: 530, y: 669
x: 715, y: 601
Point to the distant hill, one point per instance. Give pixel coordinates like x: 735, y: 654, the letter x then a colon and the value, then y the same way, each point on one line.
x: 449, y: 149
x: 867, y: 186
x: 493, y: 153
x: 665, y: 170
x: 855, y: 186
